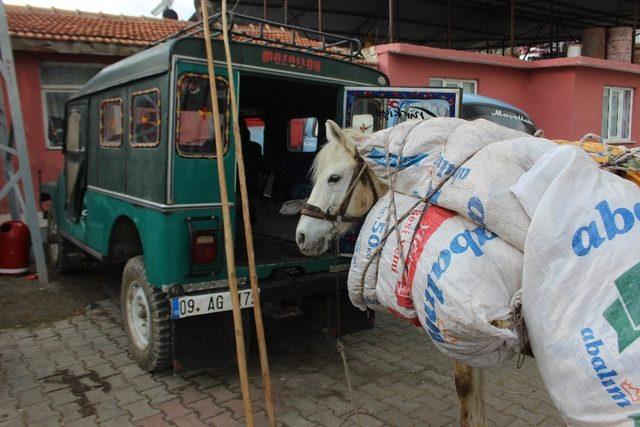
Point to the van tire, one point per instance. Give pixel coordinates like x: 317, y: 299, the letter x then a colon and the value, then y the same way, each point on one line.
x: 145, y: 315
x: 58, y: 248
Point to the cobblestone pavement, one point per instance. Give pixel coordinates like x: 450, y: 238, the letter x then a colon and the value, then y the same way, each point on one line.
x: 77, y: 372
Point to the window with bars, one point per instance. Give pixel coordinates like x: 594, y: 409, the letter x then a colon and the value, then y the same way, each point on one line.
x: 617, y: 104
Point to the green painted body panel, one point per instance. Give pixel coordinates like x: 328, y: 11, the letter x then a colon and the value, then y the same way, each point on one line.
x: 142, y: 191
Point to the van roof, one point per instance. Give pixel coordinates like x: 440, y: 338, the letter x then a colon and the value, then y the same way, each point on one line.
x: 157, y: 59
x: 472, y: 98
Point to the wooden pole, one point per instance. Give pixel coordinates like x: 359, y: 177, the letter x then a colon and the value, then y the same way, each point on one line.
x: 226, y: 221
x: 248, y: 233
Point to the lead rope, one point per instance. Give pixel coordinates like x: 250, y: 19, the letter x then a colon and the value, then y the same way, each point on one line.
x: 340, y: 347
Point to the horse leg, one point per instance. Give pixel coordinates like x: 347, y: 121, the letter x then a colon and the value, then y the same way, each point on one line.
x: 470, y: 389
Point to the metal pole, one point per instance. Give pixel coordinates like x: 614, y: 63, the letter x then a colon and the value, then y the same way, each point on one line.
x: 265, y: 10
x: 487, y: 24
x: 513, y: 28
x: 551, y: 27
x: 391, y: 21
x: 286, y: 7
x: 448, y: 24
x: 29, y: 205
x: 248, y: 233
x: 635, y: 26
x: 226, y: 222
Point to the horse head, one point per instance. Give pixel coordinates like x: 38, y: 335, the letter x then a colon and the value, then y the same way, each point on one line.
x: 344, y: 191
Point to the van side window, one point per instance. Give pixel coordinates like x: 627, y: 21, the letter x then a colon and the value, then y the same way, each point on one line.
x: 145, y: 118
x: 111, y: 122
x: 194, y: 118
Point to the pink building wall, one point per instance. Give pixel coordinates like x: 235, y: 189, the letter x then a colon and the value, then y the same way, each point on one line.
x: 563, y: 96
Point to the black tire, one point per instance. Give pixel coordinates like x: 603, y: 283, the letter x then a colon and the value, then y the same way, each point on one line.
x: 59, y: 249
x: 141, y: 301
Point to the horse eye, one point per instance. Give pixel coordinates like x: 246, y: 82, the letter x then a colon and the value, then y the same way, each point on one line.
x: 334, y: 178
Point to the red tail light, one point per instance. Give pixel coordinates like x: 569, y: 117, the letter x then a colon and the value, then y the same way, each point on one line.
x: 203, y: 248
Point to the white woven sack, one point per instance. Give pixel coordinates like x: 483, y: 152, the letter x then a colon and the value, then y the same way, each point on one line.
x: 483, y: 192
x: 362, y: 293
x: 413, y: 147
x: 464, y: 142
x: 392, y: 289
x: 464, y: 288
x: 377, y: 290
x: 581, y: 286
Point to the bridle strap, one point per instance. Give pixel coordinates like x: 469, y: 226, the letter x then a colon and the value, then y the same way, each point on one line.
x: 360, y: 173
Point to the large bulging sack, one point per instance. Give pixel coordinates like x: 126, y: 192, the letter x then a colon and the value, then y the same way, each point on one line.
x: 481, y: 189
x: 464, y: 142
x: 413, y: 147
x: 581, y: 286
x: 367, y: 267
x: 452, y: 277
x: 463, y: 287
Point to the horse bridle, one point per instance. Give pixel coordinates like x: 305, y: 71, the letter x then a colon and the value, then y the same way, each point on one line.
x: 360, y: 173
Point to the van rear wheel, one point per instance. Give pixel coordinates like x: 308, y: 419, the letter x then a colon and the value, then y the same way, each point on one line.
x: 145, y: 314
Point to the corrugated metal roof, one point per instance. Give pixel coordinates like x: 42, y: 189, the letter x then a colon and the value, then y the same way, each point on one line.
x: 475, y: 24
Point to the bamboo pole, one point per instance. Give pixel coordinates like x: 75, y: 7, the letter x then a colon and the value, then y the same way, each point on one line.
x: 226, y: 221
x: 248, y: 233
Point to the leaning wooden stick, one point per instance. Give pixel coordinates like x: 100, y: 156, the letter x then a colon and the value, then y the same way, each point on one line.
x: 248, y: 233
x: 226, y: 221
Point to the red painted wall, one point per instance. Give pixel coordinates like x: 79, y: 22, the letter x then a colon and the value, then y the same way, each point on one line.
x: 563, y: 96
x: 27, y: 66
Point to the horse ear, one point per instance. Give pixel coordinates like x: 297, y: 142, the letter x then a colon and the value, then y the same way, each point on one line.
x: 335, y: 133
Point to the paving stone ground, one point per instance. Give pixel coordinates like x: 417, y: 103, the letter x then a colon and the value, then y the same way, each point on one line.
x: 77, y: 372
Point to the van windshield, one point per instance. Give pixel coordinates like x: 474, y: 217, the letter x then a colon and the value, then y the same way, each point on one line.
x: 194, y: 122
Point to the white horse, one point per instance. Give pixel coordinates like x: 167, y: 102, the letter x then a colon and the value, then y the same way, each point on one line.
x: 345, y: 190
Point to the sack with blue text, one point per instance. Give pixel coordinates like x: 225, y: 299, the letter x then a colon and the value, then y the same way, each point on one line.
x: 452, y: 277
x: 581, y: 286
x: 409, y: 151
x: 480, y: 189
x: 377, y: 264
x: 464, y: 279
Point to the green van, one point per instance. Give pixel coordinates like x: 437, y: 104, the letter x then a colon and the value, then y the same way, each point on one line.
x: 139, y: 187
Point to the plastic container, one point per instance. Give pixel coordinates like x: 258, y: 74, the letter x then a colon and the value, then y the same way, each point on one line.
x: 14, y: 247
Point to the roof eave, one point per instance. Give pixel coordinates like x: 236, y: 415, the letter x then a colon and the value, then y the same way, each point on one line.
x: 74, y: 47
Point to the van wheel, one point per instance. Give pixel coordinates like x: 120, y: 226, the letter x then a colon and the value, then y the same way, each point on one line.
x: 58, y: 248
x: 145, y: 314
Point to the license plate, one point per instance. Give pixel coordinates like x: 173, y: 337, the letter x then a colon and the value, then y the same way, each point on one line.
x: 194, y: 305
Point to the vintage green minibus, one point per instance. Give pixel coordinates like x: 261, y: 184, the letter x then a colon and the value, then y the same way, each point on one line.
x: 139, y: 187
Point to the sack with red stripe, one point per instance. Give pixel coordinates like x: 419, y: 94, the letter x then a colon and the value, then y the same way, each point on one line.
x: 392, y: 290
x: 369, y: 257
x: 463, y: 280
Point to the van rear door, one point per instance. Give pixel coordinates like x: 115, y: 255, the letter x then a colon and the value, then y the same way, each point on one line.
x: 371, y: 108
x: 194, y: 175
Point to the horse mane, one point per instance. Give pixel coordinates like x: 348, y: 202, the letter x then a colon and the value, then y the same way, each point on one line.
x: 330, y: 151
x: 327, y: 154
